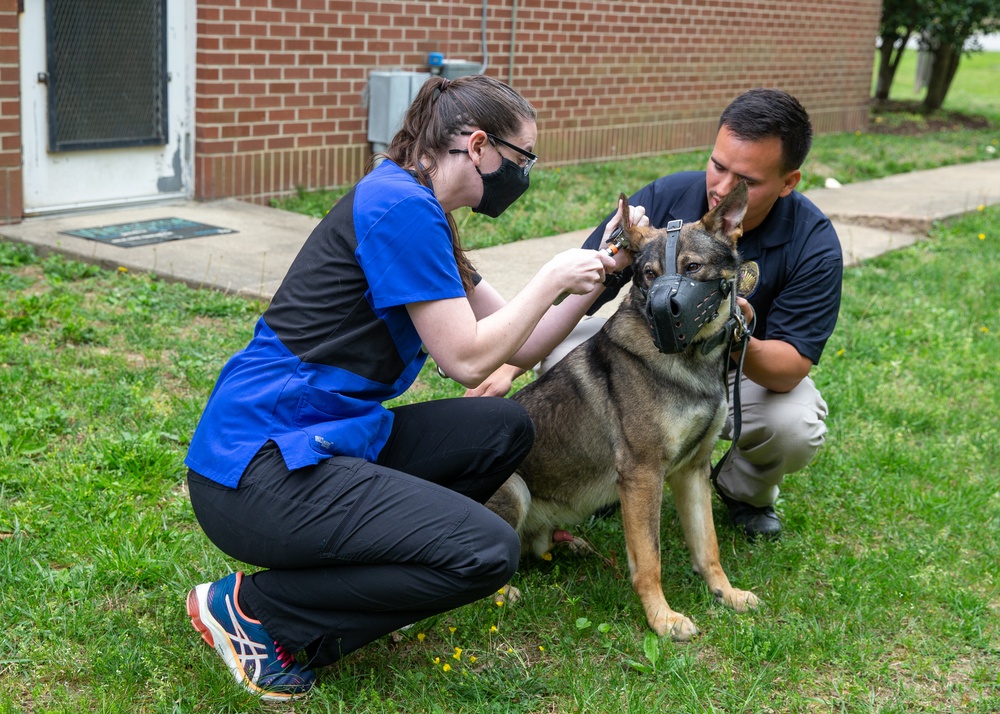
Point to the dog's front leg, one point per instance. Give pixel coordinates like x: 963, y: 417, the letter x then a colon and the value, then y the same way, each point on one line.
x: 641, y: 497
x: 693, y: 498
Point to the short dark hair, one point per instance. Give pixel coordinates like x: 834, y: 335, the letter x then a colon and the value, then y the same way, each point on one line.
x: 762, y: 113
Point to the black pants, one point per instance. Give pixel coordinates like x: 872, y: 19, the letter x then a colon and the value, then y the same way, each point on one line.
x: 355, y: 550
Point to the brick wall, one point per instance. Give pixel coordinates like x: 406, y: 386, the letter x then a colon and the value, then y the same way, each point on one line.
x: 10, y: 115
x: 280, y: 82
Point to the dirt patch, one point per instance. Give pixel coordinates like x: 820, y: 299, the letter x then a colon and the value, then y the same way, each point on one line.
x: 892, y: 224
x: 906, y: 119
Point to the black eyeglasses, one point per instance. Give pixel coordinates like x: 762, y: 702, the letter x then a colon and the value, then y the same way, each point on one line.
x: 529, y: 158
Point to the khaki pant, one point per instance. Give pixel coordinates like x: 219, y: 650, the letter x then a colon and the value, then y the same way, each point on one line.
x: 779, y: 434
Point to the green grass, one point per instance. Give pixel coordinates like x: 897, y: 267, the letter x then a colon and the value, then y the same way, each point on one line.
x: 883, y: 595
x: 570, y: 198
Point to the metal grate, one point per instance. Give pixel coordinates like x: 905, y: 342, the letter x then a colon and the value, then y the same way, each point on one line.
x: 107, y: 78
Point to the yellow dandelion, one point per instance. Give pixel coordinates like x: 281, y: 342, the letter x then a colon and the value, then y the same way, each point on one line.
x: 493, y: 629
x: 980, y: 207
x: 446, y: 668
x: 510, y: 650
x: 840, y: 352
x: 982, y: 236
x: 984, y: 329
x: 499, y: 603
x: 421, y: 636
x: 540, y: 648
x: 547, y: 556
x: 458, y: 653
x: 452, y: 630
x: 437, y: 660
x: 472, y: 659
x: 122, y: 269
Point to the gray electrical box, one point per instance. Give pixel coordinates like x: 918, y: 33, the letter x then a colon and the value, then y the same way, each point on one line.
x: 389, y: 96
x: 454, y: 68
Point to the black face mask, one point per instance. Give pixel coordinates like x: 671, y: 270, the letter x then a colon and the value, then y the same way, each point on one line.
x: 501, y: 188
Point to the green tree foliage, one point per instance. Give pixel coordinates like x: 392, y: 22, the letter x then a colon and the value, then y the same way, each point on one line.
x: 944, y: 28
x: 950, y: 24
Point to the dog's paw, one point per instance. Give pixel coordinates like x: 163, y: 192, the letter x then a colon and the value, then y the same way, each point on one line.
x: 507, y: 595
x: 741, y: 600
x: 574, y: 543
x: 675, y: 626
x: 680, y: 628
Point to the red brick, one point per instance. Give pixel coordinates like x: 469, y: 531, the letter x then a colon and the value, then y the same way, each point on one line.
x: 250, y: 145
x: 280, y: 142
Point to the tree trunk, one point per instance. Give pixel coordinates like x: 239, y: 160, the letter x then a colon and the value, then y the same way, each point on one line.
x: 889, y: 56
x: 946, y: 59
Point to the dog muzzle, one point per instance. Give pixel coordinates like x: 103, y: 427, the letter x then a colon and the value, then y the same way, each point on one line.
x: 678, y: 307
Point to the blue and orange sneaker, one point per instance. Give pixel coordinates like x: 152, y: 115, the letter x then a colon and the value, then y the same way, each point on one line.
x: 257, y: 662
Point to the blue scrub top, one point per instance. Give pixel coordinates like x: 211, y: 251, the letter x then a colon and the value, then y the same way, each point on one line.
x: 337, y: 339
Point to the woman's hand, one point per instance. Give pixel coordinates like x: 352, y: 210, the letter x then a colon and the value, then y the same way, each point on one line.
x: 579, y: 270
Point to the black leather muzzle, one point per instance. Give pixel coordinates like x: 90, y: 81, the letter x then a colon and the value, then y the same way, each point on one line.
x: 678, y: 307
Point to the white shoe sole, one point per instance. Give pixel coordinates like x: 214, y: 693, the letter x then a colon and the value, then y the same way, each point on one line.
x: 215, y: 635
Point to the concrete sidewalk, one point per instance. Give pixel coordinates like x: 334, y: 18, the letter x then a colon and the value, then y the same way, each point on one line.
x: 870, y: 217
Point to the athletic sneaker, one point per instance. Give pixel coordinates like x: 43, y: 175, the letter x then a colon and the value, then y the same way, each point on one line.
x: 259, y: 663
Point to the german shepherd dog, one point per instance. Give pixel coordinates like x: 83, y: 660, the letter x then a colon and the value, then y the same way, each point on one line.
x: 616, y: 417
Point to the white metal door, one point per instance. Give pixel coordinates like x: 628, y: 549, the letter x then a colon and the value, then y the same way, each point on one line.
x: 56, y: 181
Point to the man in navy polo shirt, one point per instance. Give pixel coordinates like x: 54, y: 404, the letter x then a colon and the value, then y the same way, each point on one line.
x: 791, y: 281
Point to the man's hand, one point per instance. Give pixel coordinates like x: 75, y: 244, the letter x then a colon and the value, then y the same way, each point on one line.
x: 747, y: 309
x: 637, y: 217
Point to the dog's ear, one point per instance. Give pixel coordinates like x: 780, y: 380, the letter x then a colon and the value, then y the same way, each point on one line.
x: 727, y: 217
x: 636, y: 236
x: 626, y: 222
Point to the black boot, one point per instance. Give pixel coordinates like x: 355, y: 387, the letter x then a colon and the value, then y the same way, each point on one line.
x: 754, y: 521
